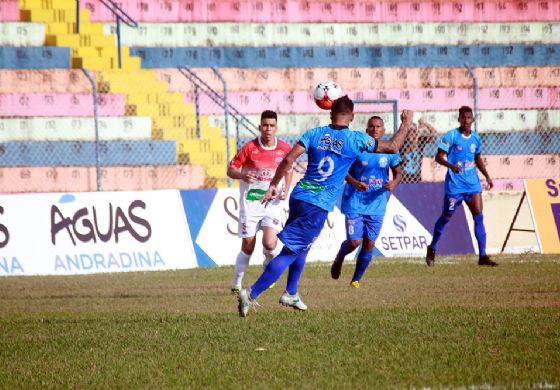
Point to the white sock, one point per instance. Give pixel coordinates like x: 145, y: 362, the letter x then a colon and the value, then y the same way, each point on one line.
x: 241, y: 264
x: 269, y: 255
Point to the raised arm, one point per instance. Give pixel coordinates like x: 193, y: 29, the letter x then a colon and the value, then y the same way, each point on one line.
x: 397, y: 141
x: 284, y: 167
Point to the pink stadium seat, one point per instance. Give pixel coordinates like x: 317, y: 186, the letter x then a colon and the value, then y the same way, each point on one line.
x: 60, y: 179
x: 9, y: 11
x: 63, y: 104
x: 298, y: 79
x: 299, y: 102
x: 333, y: 11
x: 43, y: 80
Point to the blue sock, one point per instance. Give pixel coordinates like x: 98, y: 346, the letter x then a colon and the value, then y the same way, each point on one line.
x: 273, y: 271
x: 364, y: 258
x: 438, y: 230
x: 294, y: 273
x: 344, y: 250
x: 480, y: 233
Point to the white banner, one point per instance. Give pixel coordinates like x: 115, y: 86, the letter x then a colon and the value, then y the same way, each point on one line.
x: 218, y: 235
x: 82, y: 233
x: 402, y: 235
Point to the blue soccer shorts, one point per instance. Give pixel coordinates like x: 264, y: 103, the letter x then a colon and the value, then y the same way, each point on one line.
x: 360, y: 226
x: 304, y: 224
x: 452, y: 201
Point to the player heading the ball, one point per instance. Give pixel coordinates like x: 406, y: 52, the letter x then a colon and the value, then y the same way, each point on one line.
x: 331, y: 150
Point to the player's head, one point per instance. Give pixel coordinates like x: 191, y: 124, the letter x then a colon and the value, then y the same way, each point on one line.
x: 342, y: 111
x: 375, y: 127
x: 466, y: 118
x: 268, y: 126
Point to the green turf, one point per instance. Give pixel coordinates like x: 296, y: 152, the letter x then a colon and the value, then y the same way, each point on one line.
x: 408, y: 326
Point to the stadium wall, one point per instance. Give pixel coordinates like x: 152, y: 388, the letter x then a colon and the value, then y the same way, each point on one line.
x: 89, y: 232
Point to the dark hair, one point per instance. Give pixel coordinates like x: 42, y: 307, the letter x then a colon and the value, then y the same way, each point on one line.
x: 269, y: 114
x: 343, y: 105
x: 465, y: 109
x: 376, y: 117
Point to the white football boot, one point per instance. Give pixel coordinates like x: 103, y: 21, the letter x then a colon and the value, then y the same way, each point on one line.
x: 292, y: 301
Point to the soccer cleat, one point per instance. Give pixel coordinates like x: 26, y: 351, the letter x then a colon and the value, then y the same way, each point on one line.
x: 430, y: 256
x: 336, y: 267
x: 485, y: 260
x: 293, y: 301
x: 245, y: 303
x: 355, y: 284
x: 235, y: 290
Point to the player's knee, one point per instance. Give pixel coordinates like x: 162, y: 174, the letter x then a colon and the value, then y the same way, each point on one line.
x: 353, y: 244
x: 368, y: 245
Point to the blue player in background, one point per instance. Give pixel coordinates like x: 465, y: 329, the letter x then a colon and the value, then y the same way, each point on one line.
x: 331, y: 150
x: 364, y: 202
x: 459, y: 151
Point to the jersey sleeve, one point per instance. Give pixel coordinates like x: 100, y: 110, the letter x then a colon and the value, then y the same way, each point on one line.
x: 395, y: 160
x: 446, y: 142
x: 305, y: 139
x: 239, y: 160
x: 365, y: 143
x: 477, y: 151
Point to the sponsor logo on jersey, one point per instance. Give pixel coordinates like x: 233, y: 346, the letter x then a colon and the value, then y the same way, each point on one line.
x: 383, y: 162
x: 473, y: 148
x: 328, y: 143
x: 365, y: 163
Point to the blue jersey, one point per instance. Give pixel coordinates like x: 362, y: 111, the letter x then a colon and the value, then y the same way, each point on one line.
x: 372, y: 169
x: 461, y: 150
x: 330, y: 153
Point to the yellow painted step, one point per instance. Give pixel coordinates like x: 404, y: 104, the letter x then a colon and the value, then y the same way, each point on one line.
x: 52, y: 15
x: 70, y: 28
x: 75, y: 40
x: 176, y: 121
x: 104, y: 51
x: 147, y: 97
x: 124, y: 85
x: 48, y: 4
x: 164, y: 109
x: 93, y: 63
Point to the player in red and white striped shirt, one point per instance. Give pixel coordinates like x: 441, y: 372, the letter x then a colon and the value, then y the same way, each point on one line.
x: 255, y: 165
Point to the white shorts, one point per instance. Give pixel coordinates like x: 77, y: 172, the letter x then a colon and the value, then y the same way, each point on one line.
x: 251, y: 222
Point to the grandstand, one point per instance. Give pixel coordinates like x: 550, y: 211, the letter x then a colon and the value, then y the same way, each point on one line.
x: 156, y: 129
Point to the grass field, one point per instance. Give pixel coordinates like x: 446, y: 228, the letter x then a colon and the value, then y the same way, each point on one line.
x: 409, y: 326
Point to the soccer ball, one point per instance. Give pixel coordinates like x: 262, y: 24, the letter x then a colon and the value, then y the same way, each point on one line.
x: 326, y: 93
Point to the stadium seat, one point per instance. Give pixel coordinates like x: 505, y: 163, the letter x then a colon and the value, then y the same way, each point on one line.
x: 22, y: 34
x: 75, y: 128
x: 65, y: 153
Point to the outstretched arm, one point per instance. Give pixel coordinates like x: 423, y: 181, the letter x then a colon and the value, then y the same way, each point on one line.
x: 397, y: 141
x: 479, y: 161
x: 281, y: 171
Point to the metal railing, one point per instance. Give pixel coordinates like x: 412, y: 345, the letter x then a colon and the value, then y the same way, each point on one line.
x: 241, y: 121
x: 119, y: 13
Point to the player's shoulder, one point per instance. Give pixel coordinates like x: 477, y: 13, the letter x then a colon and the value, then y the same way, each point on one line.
x: 283, y: 145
